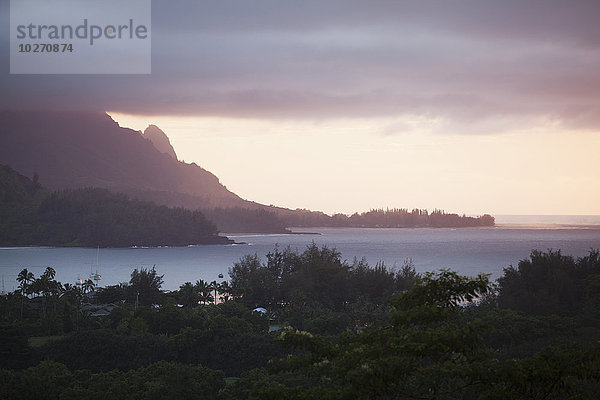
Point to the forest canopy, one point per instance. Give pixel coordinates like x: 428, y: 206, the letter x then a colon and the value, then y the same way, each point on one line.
x: 326, y: 329
x: 32, y: 215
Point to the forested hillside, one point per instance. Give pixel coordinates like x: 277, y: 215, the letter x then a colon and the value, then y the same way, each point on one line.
x: 33, y: 215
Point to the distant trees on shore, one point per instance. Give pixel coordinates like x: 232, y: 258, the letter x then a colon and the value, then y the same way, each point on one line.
x: 387, y: 218
x: 277, y: 220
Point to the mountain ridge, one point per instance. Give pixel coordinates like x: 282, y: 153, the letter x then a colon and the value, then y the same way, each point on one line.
x: 81, y: 149
x: 86, y: 149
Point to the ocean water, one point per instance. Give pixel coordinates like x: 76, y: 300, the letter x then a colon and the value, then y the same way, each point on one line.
x: 468, y: 251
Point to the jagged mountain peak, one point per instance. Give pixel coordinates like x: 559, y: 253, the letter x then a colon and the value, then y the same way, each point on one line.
x: 160, y: 140
x: 85, y: 149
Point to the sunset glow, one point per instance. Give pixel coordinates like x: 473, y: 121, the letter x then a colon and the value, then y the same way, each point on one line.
x: 356, y: 164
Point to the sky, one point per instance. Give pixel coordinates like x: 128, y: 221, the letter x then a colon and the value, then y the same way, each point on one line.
x: 341, y: 106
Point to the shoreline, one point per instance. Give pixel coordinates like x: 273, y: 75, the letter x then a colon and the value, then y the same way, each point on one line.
x: 230, y: 237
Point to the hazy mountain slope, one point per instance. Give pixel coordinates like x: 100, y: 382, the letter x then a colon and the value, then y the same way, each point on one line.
x: 85, y: 149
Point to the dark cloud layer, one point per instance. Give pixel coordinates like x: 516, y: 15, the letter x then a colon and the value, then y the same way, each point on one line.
x: 458, y: 60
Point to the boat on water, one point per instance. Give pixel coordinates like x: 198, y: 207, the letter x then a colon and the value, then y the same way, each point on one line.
x: 95, y: 275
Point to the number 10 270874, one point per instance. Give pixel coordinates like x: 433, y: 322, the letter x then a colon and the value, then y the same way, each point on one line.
x: 45, y: 48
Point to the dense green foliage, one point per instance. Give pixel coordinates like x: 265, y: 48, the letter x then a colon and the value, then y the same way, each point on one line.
x: 316, y: 287
x: 429, y: 348
x: 19, y: 198
x: 145, y: 286
x: 92, y: 217
x: 550, y: 283
x: 160, y: 380
x: 342, y: 331
x: 424, y: 351
x: 219, y: 337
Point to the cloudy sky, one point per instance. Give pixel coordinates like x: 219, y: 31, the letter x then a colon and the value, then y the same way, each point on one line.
x: 470, y: 106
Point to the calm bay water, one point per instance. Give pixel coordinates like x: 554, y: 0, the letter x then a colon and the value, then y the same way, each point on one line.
x: 468, y: 251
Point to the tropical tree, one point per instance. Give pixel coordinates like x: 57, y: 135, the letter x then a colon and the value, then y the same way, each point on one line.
x: 224, y: 290
x: 48, y: 287
x: 87, y: 286
x: 49, y: 273
x: 214, y: 286
x: 188, y: 295
x: 145, y: 285
x: 71, y: 296
x: 550, y: 283
x: 25, y: 278
x: 204, y: 291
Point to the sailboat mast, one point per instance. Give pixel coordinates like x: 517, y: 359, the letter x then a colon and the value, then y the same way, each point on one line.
x: 96, y: 275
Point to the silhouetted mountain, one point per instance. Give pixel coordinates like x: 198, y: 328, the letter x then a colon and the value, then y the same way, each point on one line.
x: 84, y: 149
x: 159, y: 140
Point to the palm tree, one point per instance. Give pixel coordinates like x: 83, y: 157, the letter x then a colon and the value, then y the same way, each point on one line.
x: 87, y: 286
x: 24, y: 278
x: 214, y: 286
x: 48, y: 286
x: 72, y: 296
x: 204, y: 290
x: 224, y: 290
x: 49, y: 273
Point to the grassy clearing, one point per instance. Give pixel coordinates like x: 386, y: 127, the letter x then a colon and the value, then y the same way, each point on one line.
x: 39, y: 341
x: 231, y: 380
